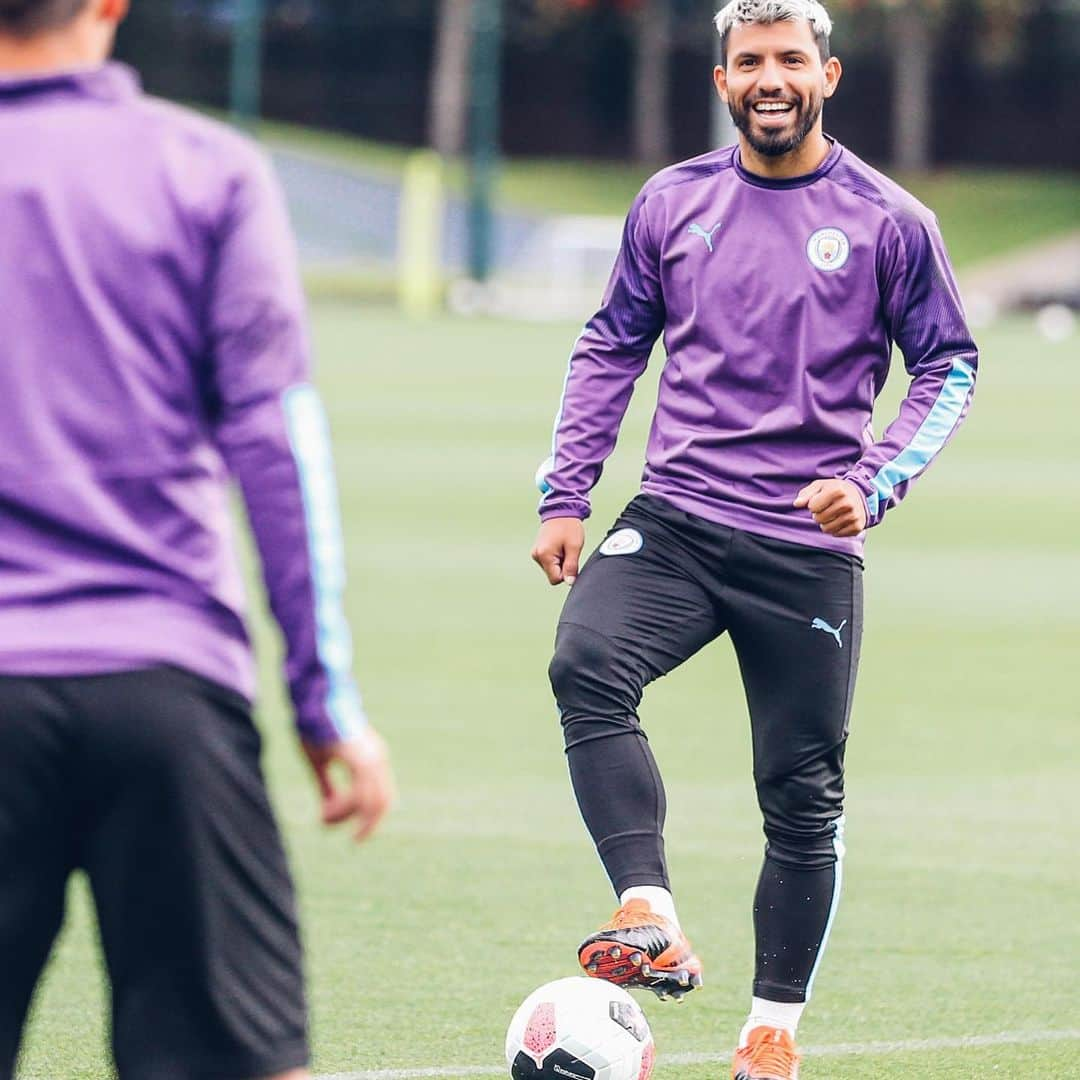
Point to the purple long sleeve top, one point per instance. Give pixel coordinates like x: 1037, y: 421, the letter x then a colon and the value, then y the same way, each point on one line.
x: 779, y: 302
x: 153, y: 350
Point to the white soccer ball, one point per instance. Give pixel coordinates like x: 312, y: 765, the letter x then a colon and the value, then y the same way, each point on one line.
x: 579, y: 1029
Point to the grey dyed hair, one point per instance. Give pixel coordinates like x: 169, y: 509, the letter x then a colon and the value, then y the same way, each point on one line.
x: 751, y: 12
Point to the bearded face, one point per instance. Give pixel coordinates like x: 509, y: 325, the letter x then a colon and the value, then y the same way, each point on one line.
x: 775, y: 79
x: 776, y: 122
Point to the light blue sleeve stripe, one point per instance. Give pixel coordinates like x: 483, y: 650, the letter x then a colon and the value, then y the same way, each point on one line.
x: 309, y: 437
x: 548, y: 465
x: 928, y: 440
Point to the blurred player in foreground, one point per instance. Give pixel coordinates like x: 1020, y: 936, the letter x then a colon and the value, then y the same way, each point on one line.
x: 153, y: 348
x: 780, y: 272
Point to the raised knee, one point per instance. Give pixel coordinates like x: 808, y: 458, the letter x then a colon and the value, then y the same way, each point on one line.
x: 562, y: 672
x: 583, y: 658
x: 596, y: 685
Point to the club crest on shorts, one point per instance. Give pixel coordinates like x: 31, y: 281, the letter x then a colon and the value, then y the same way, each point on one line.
x: 828, y: 249
x: 623, y: 542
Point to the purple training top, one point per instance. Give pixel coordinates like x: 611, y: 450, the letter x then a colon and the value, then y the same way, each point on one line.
x: 153, y: 346
x: 779, y: 302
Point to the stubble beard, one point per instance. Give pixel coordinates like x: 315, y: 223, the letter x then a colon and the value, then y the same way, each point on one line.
x: 776, y: 144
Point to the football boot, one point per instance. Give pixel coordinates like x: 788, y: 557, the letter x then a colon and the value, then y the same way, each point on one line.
x: 639, y: 948
x: 769, y: 1054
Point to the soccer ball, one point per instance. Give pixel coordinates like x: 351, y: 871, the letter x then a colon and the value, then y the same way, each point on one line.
x: 579, y: 1029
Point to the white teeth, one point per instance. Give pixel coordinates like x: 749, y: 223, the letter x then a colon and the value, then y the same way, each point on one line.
x: 772, y: 106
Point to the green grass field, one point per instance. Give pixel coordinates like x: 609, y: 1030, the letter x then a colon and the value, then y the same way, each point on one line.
x: 961, y: 911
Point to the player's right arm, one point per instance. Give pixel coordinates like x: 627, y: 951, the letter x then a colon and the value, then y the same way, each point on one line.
x: 612, y: 351
x: 268, y: 422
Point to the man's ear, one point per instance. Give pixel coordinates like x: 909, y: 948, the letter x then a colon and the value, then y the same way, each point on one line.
x: 720, y: 79
x: 833, y: 71
x: 114, y: 11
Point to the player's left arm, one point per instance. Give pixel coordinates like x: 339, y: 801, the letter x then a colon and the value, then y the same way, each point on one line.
x: 924, y: 315
x: 269, y: 424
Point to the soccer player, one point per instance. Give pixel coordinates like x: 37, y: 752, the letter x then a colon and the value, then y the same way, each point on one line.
x: 780, y: 272
x: 153, y: 348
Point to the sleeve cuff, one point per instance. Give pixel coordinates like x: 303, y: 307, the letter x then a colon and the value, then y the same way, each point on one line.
x: 861, y: 484
x: 341, y: 719
x: 317, y: 731
x: 573, y: 509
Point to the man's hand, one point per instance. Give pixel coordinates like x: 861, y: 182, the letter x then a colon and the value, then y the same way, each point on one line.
x: 837, y: 506
x: 369, y: 782
x: 558, y: 548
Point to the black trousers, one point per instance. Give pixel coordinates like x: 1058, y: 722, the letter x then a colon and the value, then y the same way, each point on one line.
x: 150, y: 782
x: 662, y: 585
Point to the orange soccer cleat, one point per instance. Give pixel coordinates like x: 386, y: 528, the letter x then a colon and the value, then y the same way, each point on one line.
x: 769, y: 1054
x: 638, y: 947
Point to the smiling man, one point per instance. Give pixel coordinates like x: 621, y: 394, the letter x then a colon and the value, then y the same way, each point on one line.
x: 780, y: 272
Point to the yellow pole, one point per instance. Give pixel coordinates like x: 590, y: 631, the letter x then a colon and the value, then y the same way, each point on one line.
x: 420, y: 277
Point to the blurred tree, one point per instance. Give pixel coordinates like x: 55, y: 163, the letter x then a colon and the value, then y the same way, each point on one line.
x: 913, y: 30
x: 450, y: 77
x: 652, y: 82
x: 652, y: 30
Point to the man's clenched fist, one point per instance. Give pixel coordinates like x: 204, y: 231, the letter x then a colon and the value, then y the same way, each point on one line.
x: 837, y: 505
x: 557, y: 550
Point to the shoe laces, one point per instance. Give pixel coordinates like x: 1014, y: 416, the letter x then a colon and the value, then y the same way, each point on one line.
x: 635, y: 913
x: 774, y: 1055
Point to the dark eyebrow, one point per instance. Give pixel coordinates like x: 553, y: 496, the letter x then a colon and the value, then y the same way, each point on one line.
x: 746, y: 54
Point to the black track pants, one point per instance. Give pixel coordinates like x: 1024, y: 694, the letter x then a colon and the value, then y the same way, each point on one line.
x: 664, y: 584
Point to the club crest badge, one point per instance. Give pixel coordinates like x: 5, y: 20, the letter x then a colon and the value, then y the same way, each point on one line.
x: 828, y: 249
x: 623, y: 542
